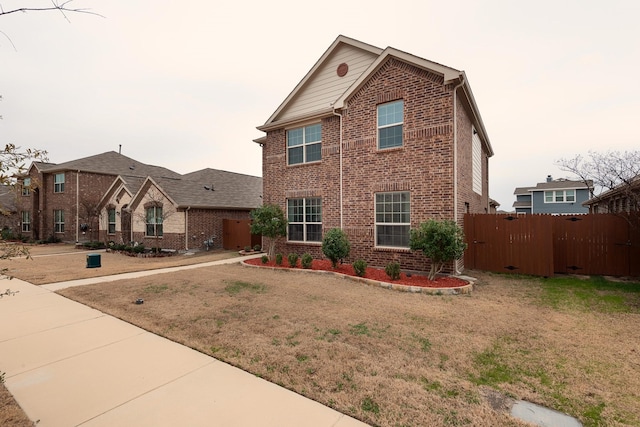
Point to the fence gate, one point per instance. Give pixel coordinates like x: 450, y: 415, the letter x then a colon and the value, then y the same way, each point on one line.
x: 236, y: 234
x: 595, y: 244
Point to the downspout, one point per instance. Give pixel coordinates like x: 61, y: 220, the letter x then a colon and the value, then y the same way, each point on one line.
x: 456, y: 264
x: 341, y: 189
x: 186, y: 228
x: 455, y: 149
x: 77, y: 206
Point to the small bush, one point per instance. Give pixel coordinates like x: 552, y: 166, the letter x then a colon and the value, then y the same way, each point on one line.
x: 257, y: 248
x: 335, y: 246
x: 7, y: 234
x: 278, y: 259
x: 360, y: 267
x: 293, y: 260
x: 138, y: 249
x: 264, y: 259
x: 307, y: 260
x: 393, y: 270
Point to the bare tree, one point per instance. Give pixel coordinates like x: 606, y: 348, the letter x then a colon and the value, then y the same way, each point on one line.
x: 90, y: 216
x: 615, y: 175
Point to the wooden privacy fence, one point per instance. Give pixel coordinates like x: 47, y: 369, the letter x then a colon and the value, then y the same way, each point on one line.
x: 236, y: 234
x: 544, y: 245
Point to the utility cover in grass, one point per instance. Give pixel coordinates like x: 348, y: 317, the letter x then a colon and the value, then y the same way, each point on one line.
x: 541, y: 416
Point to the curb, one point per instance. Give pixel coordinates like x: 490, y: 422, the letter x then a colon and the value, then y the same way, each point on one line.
x: 459, y: 290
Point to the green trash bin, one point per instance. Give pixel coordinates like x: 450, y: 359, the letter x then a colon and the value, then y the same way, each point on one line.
x: 93, y: 260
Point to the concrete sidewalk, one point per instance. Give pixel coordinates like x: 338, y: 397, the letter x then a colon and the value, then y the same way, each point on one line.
x: 69, y: 365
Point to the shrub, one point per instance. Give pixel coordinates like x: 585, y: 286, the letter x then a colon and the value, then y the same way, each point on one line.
x: 335, y: 246
x: 278, y: 259
x: 7, y: 234
x: 306, y: 260
x: 264, y: 259
x: 293, y: 259
x: 441, y: 241
x: 138, y: 249
x: 269, y: 221
x: 257, y: 248
x: 247, y: 248
x: 360, y: 267
x: 393, y: 270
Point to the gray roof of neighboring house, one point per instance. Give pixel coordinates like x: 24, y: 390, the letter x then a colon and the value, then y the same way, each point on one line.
x: 230, y: 190
x: 215, y: 188
x: 7, y: 199
x: 109, y: 163
x: 557, y: 184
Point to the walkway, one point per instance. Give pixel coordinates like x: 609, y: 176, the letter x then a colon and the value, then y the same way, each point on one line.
x: 70, y: 365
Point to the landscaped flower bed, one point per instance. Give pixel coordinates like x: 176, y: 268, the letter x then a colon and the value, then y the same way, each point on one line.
x: 375, y: 274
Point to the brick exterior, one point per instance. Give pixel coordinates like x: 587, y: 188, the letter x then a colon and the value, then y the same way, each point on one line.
x: 423, y: 166
x: 91, y: 187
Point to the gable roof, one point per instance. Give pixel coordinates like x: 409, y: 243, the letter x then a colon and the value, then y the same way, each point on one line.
x: 371, y: 59
x: 109, y: 163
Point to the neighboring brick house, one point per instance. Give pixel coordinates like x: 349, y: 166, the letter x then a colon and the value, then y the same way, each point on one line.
x: 560, y: 196
x: 78, y: 201
x: 621, y: 198
x: 375, y: 142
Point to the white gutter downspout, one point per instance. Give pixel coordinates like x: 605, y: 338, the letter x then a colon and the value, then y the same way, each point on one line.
x: 341, y: 190
x: 77, y: 205
x: 456, y: 264
x: 186, y: 228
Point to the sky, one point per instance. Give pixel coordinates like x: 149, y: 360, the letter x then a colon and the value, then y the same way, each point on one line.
x: 184, y: 85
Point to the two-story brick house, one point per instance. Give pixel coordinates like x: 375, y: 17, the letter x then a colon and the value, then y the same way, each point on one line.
x: 113, y: 197
x: 375, y: 141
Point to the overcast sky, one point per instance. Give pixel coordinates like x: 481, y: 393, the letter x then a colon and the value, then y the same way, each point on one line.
x: 184, y: 84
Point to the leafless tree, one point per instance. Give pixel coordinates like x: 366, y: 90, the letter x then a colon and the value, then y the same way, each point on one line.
x: 89, y: 216
x: 613, y: 173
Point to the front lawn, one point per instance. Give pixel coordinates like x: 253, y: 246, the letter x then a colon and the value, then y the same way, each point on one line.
x: 397, y: 359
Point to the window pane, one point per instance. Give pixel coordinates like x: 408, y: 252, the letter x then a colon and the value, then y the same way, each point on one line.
x: 548, y: 196
x: 390, y: 113
x: 150, y: 230
x: 390, y: 137
x: 571, y: 195
x: 559, y: 196
x: 314, y: 152
x: 295, y: 155
x: 313, y: 211
x: 313, y: 133
x: 294, y: 137
x: 295, y: 210
x: 296, y: 232
x: 314, y: 232
x: 392, y: 235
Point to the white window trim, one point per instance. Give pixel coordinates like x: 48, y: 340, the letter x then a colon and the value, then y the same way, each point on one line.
x: 57, y: 223
x: 564, y: 196
x: 376, y: 223
x: 27, y: 222
x: 304, y: 144
x: 58, y: 187
x: 304, y: 220
x: 378, y: 127
x: 155, y: 224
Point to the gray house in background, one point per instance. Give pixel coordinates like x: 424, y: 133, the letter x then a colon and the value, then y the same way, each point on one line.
x: 560, y: 196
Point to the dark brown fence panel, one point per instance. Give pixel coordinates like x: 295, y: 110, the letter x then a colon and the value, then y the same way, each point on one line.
x: 599, y: 244
x: 509, y: 243
x: 236, y: 234
x: 591, y: 244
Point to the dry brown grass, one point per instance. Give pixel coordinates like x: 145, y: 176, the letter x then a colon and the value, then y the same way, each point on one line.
x: 392, y: 358
x: 11, y: 415
x: 62, y: 262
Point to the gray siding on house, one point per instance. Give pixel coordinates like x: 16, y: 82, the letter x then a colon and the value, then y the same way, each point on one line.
x: 540, y: 207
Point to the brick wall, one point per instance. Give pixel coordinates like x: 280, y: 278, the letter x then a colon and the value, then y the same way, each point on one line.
x: 423, y: 166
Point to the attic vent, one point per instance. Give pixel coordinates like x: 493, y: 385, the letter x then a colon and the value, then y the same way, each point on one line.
x: 342, y: 70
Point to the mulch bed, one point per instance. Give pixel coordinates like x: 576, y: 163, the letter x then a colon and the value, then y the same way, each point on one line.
x: 372, y: 273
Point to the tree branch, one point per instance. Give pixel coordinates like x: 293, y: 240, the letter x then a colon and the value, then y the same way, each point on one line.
x: 62, y: 7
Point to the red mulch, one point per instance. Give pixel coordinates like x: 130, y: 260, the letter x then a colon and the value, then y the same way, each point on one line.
x: 372, y: 273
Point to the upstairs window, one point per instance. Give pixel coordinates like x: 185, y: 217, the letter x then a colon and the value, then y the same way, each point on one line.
x: 305, y: 220
x: 154, y: 221
x: 560, y: 196
x: 304, y: 144
x: 393, y: 219
x: 58, y: 183
x: 390, y: 123
x: 26, y: 186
